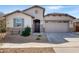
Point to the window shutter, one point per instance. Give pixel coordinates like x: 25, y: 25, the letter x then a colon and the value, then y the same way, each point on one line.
x: 14, y: 24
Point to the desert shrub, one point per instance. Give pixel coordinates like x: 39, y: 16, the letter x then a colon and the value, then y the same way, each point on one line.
x: 2, y: 30
x: 26, y: 31
x: 38, y: 38
x: 39, y: 35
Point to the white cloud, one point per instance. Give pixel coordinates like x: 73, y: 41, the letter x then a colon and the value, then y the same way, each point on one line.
x: 55, y: 7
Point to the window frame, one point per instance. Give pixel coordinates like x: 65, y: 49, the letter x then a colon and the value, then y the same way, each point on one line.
x: 18, y: 21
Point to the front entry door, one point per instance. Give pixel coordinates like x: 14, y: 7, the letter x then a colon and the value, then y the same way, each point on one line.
x: 37, y: 26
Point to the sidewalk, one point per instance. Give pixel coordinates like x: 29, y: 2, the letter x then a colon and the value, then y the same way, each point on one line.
x: 69, y: 47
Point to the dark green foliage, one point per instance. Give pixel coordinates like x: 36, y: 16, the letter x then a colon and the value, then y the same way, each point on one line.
x: 26, y: 31
x: 2, y: 26
x: 2, y: 30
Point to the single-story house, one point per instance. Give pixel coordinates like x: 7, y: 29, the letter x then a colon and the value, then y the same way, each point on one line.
x: 35, y: 18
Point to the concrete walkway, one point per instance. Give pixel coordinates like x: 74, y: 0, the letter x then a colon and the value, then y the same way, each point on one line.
x: 58, y: 48
x: 67, y: 50
x: 69, y: 47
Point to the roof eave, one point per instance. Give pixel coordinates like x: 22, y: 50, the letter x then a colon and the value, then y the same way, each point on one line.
x: 64, y: 15
x: 15, y: 12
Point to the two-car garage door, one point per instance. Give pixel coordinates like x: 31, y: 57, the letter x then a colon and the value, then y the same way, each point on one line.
x: 56, y: 27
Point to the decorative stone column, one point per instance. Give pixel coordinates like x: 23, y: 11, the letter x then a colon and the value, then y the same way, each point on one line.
x: 41, y: 26
x: 71, y: 26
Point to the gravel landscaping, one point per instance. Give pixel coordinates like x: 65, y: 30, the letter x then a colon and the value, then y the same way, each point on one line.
x: 21, y: 39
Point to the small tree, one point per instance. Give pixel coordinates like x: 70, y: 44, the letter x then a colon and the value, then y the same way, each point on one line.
x: 26, y: 31
x: 2, y: 26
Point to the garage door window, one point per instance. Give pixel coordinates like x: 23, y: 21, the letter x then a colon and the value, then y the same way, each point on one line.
x: 56, y: 21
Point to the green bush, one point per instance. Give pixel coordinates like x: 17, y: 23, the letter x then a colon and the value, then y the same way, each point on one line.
x: 26, y: 31
x: 2, y: 26
x: 2, y: 30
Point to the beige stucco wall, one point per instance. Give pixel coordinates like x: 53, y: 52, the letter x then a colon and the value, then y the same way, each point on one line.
x: 39, y: 16
x: 27, y: 20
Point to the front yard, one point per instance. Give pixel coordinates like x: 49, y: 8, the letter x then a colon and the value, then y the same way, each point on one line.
x: 20, y: 44
x: 40, y: 43
x: 21, y: 39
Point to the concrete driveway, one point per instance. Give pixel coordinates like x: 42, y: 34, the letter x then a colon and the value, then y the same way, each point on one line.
x: 58, y: 38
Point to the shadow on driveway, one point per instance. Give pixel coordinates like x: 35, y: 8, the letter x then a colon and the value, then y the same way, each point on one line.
x: 59, y: 38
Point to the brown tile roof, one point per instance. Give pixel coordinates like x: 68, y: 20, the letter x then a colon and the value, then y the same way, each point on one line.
x: 25, y: 10
x: 18, y: 12
x: 76, y: 20
x: 60, y: 14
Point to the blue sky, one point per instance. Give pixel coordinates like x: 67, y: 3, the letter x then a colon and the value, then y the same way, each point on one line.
x: 71, y: 9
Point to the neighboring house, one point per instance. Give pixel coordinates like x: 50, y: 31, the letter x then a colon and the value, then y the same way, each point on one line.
x: 38, y: 22
x: 76, y: 25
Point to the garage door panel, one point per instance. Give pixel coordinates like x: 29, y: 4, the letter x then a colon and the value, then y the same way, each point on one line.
x: 56, y: 27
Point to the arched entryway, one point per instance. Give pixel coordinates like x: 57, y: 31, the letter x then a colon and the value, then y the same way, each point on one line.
x: 36, y: 23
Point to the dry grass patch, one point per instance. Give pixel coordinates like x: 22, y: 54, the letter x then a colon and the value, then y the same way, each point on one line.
x: 2, y: 37
x: 28, y: 50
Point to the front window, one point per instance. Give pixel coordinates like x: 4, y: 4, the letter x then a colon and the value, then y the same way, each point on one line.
x: 18, y: 22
